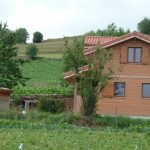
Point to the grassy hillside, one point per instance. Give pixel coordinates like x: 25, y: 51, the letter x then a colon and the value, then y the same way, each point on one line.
x: 43, y: 73
x: 51, y: 48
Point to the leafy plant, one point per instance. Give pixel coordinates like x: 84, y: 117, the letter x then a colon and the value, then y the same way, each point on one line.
x: 90, y: 82
x: 111, y: 30
x: 31, y: 51
x: 26, y: 91
x: 21, y: 35
x: 144, y: 26
x: 37, y: 37
x: 10, y: 74
x: 53, y: 105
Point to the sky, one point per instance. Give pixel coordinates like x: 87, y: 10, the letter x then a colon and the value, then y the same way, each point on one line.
x: 59, y: 18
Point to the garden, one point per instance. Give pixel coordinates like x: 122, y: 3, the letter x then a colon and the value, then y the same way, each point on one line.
x: 39, y: 130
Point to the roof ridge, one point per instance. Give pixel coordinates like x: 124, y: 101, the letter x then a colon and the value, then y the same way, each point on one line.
x: 94, y: 36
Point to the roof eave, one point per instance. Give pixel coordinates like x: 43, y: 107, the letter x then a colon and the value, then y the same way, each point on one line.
x: 109, y: 45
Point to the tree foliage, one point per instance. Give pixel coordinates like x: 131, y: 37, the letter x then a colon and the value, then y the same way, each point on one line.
x: 144, y: 26
x: 91, y: 82
x: 21, y: 35
x: 10, y: 74
x: 73, y: 56
x: 37, y: 37
x: 31, y: 51
x: 111, y: 30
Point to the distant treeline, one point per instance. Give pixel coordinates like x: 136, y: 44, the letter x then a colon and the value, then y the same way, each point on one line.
x: 111, y: 30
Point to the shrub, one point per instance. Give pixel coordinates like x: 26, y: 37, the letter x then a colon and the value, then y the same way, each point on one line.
x: 31, y: 51
x: 53, y: 105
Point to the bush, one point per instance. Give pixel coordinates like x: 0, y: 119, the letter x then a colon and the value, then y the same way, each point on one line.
x: 31, y: 51
x: 53, y: 105
x: 37, y: 37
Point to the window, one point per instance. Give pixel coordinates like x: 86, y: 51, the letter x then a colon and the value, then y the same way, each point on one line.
x: 146, y: 90
x: 134, y: 55
x: 119, y: 89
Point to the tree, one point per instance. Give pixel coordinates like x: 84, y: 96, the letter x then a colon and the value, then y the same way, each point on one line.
x: 37, y: 37
x: 144, y: 26
x: 21, y: 35
x: 73, y: 56
x: 111, y: 30
x: 91, y: 82
x: 10, y: 74
x: 31, y: 51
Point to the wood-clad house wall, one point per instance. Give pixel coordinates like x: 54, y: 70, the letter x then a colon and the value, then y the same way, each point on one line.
x: 4, y: 99
x: 133, y: 75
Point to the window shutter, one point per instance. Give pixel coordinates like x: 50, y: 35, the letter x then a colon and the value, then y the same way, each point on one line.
x: 108, y: 91
x: 145, y: 56
x: 123, y: 55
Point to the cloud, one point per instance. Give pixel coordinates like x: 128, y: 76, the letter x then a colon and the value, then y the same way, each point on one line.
x: 58, y: 18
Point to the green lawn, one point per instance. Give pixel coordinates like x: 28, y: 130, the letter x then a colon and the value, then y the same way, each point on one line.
x: 43, y: 73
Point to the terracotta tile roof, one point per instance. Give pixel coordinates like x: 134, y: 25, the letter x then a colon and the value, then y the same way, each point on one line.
x: 120, y: 39
x: 71, y: 73
x: 94, y: 40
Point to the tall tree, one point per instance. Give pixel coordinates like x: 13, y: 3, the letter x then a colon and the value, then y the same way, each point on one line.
x: 10, y: 74
x: 21, y: 35
x: 91, y: 82
x: 37, y: 37
x: 144, y: 26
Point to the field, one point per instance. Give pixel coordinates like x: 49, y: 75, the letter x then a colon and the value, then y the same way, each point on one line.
x: 51, y: 48
x: 43, y: 73
x: 71, y: 139
x: 55, y: 132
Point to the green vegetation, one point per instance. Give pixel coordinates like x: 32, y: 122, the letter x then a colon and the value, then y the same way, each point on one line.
x: 21, y: 35
x: 10, y: 74
x: 52, y: 105
x: 76, y: 138
x: 144, y: 26
x: 26, y: 91
x: 37, y: 37
x: 71, y: 138
x: 51, y: 48
x: 73, y: 56
x: 44, y: 77
x: 91, y: 83
x: 46, y: 91
x: 31, y: 51
x: 43, y: 73
x: 111, y: 30
x: 46, y: 131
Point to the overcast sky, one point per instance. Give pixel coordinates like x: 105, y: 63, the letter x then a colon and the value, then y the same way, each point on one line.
x: 58, y: 18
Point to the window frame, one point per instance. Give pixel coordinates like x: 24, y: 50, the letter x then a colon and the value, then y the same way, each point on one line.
x: 142, y: 90
x: 134, y: 55
x: 124, y: 89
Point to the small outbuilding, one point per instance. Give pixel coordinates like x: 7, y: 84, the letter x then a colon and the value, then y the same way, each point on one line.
x: 4, y: 99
